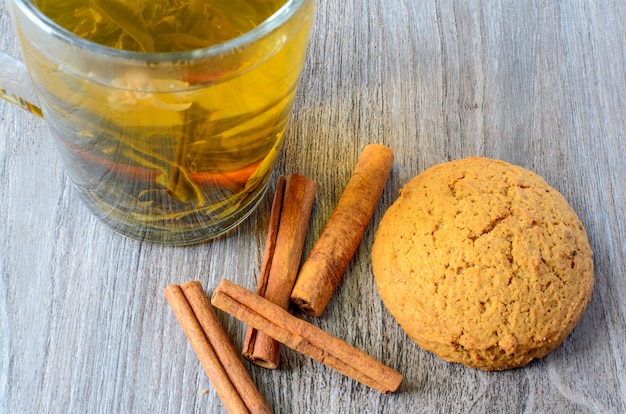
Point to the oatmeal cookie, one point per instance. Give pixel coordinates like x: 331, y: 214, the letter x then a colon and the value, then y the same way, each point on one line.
x: 483, y: 263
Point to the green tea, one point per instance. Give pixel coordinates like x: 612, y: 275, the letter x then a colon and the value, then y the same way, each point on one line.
x: 158, y: 25
x: 159, y: 157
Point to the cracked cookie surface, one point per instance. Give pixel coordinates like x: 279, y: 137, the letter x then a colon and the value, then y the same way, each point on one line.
x: 483, y: 263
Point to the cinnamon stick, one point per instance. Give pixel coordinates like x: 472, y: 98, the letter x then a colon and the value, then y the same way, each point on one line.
x: 332, y: 253
x: 289, y: 221
x: 214, y: 349
x: 304, y: 337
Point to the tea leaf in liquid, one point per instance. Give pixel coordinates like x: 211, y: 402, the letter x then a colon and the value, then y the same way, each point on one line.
x: 159, y: 25
x: 215, y: 129
x: 129, y: 19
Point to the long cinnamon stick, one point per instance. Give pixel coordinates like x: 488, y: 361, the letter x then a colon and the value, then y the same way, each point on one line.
x: 331, y: 254
x: 289, y: 221
x: 214, y: 349
x: 304, y: 337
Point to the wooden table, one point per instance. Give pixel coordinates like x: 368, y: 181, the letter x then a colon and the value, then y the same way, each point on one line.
x: 85, y: 328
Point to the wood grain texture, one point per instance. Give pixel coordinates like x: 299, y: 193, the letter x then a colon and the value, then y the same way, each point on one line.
x: 84, y: 327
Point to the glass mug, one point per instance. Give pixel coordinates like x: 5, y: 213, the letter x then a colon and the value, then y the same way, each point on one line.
x: 172, y: 147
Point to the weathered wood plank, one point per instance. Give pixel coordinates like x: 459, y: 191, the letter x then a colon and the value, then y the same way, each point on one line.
x: 84, y: 326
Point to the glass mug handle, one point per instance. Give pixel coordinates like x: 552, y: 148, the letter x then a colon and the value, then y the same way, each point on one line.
x: 15, y: 85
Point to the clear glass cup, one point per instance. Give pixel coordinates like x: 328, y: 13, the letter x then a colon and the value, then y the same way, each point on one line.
x: 173, y: 147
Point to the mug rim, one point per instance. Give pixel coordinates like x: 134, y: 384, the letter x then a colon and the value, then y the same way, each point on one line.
x: 280, y: 16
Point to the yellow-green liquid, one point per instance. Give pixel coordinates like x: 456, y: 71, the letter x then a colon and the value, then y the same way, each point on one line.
x: 172, y: 167
x: 158, y: 25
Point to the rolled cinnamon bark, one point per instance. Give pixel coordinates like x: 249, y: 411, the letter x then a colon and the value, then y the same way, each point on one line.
x: 289, y: 222
x: 304, y: 337
x: 332, y: 253
x: 222, y: 364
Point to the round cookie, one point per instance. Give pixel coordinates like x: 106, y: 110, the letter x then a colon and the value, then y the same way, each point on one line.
x: 483, y: 263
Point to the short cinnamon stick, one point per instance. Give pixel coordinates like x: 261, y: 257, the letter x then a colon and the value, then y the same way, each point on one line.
x: 304, y: 337
x: 289, y: 221
x: 331, y: 254
x: 214, y: 349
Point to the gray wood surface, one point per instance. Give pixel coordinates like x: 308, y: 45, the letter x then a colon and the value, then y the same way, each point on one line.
x: 84, y: 326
